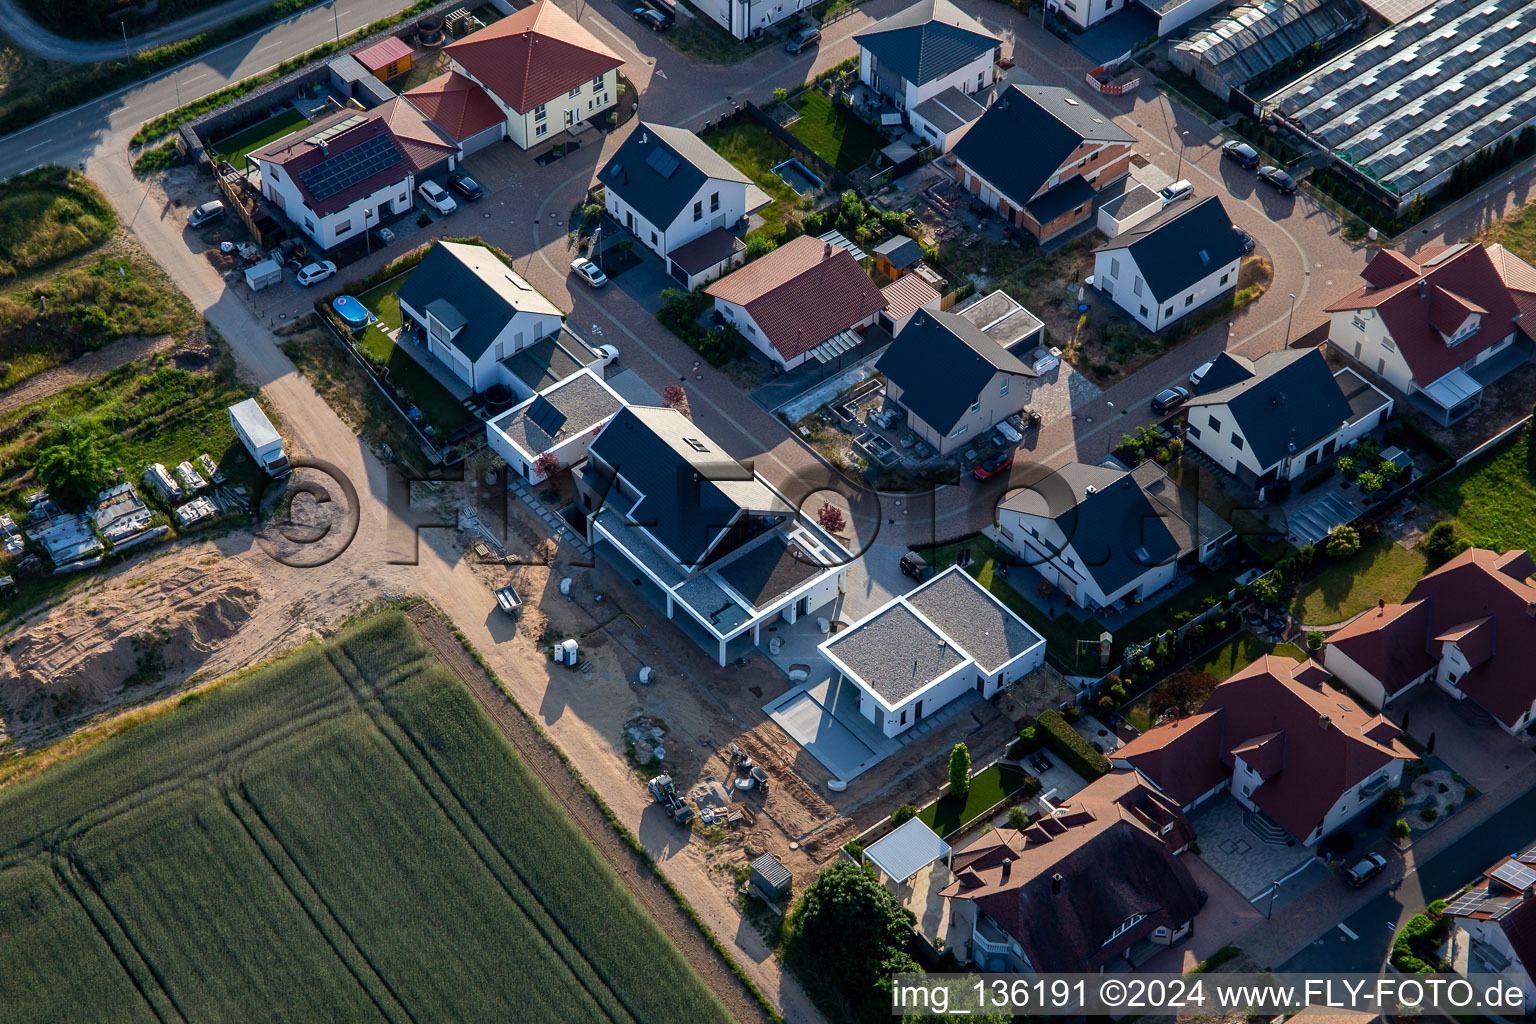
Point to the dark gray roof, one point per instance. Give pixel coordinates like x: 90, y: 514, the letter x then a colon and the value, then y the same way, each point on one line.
x: 690, y: 488
x: 559, y: 414
x: 901, y: 250
x: 1178, y: 248
x: 1290, y: 403
x: 927, y: 40
x: 1363, y: 399
x: 1226, y: 370
x: 659, y: 168
x: 1190, y: 522
x: 708, y: 250
x: 941, y: 361
x: 771, y: 871
x: 975, y: 620
x: 895, y: 653
x: 949, y: 110
x: 1028, y: 133
x: 1115, y: 529
x: 1137, y: 197
x: 769, y: 570
x: 1072, y: 193
x: 549, y: 360
x: 483, y: 292
x: 999, y: 316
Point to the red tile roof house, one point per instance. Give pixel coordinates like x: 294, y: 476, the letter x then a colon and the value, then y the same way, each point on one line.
x: 1087, y: 889
x: 352, y: 171
x: 797, y: 298
x: 1284, y: 744
x: 543, y: 71
x: 1441, y: 325
x: 1496, y: 922
x: 1470, y: 625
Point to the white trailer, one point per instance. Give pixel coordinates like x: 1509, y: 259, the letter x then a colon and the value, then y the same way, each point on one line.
x: 260, y: 438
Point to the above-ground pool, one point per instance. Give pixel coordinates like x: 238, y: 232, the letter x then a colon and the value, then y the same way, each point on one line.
x: 353, y: 312
x: 797, y: 176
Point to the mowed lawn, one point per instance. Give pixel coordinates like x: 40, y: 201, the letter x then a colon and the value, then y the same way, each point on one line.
x: 1493, y: 498
x: 437, y: 404
x: 988, y: 788
x: 756, y: 152
x: 235, y: 147
x: 1380, y: 571
x: 835, y: 133
x: 342, y: 835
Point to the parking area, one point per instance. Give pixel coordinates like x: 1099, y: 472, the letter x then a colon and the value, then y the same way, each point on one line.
x: 1240, y: 848
x: 1465, y: 737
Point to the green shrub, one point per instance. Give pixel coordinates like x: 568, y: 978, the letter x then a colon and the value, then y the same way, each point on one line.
x: 854, y: 849
x: 1018, y: 817
x: 1317, y: 479
x: 1315, y: 639
x: 159, y: 158
x: 960, y: 771
x: 1429, y: 814
x: 1074, y: 751
x: 903, y: 814
x: 1223, y: 955
x: 1343, y: 542
x: 1401, y: 829
x: 1441, y: 544
x: 1392, y: 801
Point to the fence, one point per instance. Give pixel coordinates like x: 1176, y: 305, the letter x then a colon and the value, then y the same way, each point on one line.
x: 826, y: 171
x: 1099, y: 79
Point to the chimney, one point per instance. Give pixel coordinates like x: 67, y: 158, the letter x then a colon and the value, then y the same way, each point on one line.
x: 1007, y: 867
x: 1381, y: 604
x: 1323, y: 721
x: 645, y: 137
x: 1056, y: 884
x: 1530, y: 609
x: 1423, y: 287
x: 826, y: 252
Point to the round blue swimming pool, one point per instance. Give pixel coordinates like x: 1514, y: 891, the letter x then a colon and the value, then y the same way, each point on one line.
x: 353, y: 312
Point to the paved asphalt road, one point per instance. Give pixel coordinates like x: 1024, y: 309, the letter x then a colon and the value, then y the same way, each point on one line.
x: 15, y: 22
x: 1511, y: 829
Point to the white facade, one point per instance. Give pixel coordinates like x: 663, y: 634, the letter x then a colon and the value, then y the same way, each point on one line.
x: 1360, y: 682
x: 529, y: 128
x: 1363, y: 335
x: 973, y: 78
x: 1350, y: 803
x: 523, y: 329
x: 743, y: 17
x: 1041, y: 543
x: 330, y: 230
x: 1490, y: 948
x: 716, y: 204
x: 1087, y: 13
x: 569, y: 452
x: 1116, y: 274
x: 1001, y: 397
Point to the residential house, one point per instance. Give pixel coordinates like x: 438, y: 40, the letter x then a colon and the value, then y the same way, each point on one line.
x: 707, y: 540
x: 1134, y: 206
x: 544, y: 72
x: 1280, y: 415
x: 460, y: 109
x: 958, y: 639
x: 801, y: 301
x: 474, y: 311
x: 1162, y: 16
x: 1288, y: 747
x: 924, y: 50
x: 1040, y: 157
x: 352, y: 171
x: 557, y: 423
x: 1470, y: 625
x: 1088, y: 888
x: 669, y: 189
x: 944, y: 119
x: 1496, y: 923
x: 959, y: 374
x: 1103, y: 535
x: 1441, y: 325
x: 742, y: 18
x: 1171, y: 266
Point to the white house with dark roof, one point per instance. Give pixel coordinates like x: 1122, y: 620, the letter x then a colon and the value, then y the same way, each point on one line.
x: 924, y: 50
x: 1172, y: 265
x: 559, y: 421
x: 918, y: 652
x: 1277, y: 417
x: 944, y: 119
x: 474, y: 311
x: 705, y: 538
x: 669, y: 189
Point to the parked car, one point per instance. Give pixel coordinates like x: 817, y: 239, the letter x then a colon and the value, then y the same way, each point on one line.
x: 1278, y: 180
x: 208, y: 212
x: 1169, y: 399
x: 433, y: 195
x: 666, y: 8
x: 316, y: 272
x: 589, y: 272
x: 1180, y: 189
x: 803, y: 40
x: 1245, y: 155
x: 653, y: 20
x: 1364, y: 869
x: 915, y: 566
x: 465, y: 186
x: 610, y: 354
x: 993, y: 466
x: 1200, y: 372
x: 1040, y: 763
x: 1248, y: 242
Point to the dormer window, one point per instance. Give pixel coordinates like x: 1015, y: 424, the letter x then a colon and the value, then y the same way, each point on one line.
x: 1465, y: 331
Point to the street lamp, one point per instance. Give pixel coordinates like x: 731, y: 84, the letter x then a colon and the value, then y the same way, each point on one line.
x: 1289, y: 318
x: 367, y: 235
x: 1274, y: 890
x: 1180, y: 172
x: 336, y: 20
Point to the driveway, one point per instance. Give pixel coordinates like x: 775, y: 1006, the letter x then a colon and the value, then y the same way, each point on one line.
x: 1250, y: 862
x: 1225, y: 916
x: 1465, y: 738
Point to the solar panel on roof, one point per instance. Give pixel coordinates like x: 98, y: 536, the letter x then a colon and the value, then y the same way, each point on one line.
x: 342, y: 171
x: 1467, y: 902
x: 662, y: 162
x: 1515, y: 875
x: 545, y: 416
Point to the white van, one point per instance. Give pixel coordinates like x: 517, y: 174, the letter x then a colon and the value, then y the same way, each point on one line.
x: 1180, y: 189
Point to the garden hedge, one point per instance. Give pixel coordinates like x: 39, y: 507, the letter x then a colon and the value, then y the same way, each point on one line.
x: 1073, y: 750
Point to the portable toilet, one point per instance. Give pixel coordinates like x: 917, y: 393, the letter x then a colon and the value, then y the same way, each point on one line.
x: 771, y: 878
x: 567, y: 653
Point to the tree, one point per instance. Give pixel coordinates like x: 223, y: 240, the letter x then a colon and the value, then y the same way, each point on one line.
x: 1018, y: 817
x: 1343, y: 542
x: 75, y: 467
x: 903, y: 814
x: 1315, y: 639
x: 830, y: 518
x: 1441, y: 543
x: 1401, y: 829
x: 548, y: 464
x: 960, y: 771
x: 675, y: 396
x: 847, y: 926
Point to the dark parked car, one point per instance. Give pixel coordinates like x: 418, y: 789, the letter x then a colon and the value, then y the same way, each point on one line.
x: 1247, y: 239
x: 1170, y: 399
x: 653, y: 20
x: 465, y: 186
x: 1246, y: 156
x: 1278, y: 180
x: 803, y: 39
x: 993, y: 466
x: 1365, y: 869
x: 914, y: 565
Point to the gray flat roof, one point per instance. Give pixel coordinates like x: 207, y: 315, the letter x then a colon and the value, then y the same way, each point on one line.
x: 549, y: 360
x: 769, y: 570
x: 974, y: 619
x: 559, y: 414
x: 1138, y: 197
x: 906, y: 851
x: 895, y: 653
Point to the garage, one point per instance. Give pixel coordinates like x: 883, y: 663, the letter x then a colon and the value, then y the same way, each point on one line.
x: 481, y: 139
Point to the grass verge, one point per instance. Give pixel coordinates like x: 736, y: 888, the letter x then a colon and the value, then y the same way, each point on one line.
x: 990, y: 786
x: 1381, y: 570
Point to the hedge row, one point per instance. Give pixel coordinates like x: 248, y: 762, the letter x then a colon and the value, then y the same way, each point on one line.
x: 1073, y: 750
